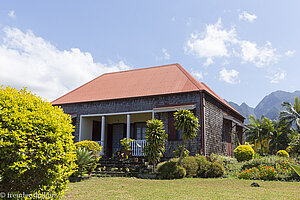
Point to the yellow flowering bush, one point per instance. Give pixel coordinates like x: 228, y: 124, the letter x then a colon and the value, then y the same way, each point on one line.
x: 37, y: 154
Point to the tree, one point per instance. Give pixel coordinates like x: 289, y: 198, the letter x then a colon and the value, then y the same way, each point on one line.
x: 279, y: 136
x: 37, y: 154
x: 259, y: 130
x: 156, y: 139
x: 291, y: 114
x: 295, y: 144
x: 186, y: 122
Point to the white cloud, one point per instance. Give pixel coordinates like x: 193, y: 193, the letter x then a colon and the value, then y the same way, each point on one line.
x: 30, y: 61
x: 166, y: 55
x: 11, y: 14
x: 229, y: 76
x: 173, y: 19
x: 247, y: 16
x: 198, y: 75
x: 260, y: 56
x: 208, y: 62
x: 216, y: 42
x: 212, y: 43
x: 290, y: 52
x: 277, y: 77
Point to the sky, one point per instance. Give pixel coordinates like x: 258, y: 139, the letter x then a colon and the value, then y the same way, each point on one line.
x: 243, y: 50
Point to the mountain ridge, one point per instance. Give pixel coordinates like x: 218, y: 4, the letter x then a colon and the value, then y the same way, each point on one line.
x: 269, y: 106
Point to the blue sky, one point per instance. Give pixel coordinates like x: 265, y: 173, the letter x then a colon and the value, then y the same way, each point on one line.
x: 243, y: 50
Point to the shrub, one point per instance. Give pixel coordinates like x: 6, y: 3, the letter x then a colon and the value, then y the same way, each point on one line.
x: 282, y: 153
x: 231, y: 165
x: 37, y: 153
x: 170, y: 170
x: 243, y: 153
x: 178, y: 151
x: 203, y: 166
x: 295, y: 144
x: 92, y: 146
x: 156, y: 139
x: 262, y: 172
x: 215, y: 170
x: 86, y: 162
x: 126, y: 143
x: 280, y: 164
x: 189, y: 164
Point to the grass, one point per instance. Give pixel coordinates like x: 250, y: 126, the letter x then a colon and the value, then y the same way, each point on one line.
x: 187, y: 188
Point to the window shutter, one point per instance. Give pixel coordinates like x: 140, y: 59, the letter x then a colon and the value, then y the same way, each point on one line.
x: 171, y: 127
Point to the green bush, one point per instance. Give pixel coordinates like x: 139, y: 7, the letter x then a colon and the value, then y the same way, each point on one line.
x: 281, y: 164
x: 282, y: 153
x: 170, y: 170
x: 126, y: 143
x: 261, y: 172
x: 215, y: 170
x: 37, y: 153
x: 295, y: 144
x: 86, y: 162
x: 203, y: 166
x: 231, y: 165
x: 92, y: 146
x: 243, y: 153
x: 189, y: 164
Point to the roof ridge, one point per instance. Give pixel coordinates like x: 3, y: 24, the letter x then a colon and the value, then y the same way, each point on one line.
x: 123, y: 71
x: 189, y: 76
x: 144, y: 68
x: 77, y: 88
x: 226, y: 103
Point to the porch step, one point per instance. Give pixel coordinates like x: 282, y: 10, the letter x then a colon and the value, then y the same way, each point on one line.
x: 120, y: 167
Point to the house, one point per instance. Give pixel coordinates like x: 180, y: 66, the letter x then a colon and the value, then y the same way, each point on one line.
x: 117, y: 105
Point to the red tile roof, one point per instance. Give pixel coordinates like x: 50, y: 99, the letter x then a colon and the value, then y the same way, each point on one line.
x: 165, y: 79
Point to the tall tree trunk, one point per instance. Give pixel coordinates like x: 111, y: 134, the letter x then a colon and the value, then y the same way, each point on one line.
x: 261, y: 147
x: 154, y: 164
x: 181, y: 153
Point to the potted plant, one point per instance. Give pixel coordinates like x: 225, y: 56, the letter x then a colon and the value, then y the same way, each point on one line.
x: 126, y: 146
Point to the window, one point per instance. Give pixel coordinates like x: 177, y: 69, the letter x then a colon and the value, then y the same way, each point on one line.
x: 173, y: 134
x: 226, y: 131
x: 140, y: 130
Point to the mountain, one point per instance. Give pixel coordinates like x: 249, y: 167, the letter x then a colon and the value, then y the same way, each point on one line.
x: 270, y: 105
x: 243, y: 109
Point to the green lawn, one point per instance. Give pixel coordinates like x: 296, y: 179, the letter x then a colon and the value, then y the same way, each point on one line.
x: 187, y: 188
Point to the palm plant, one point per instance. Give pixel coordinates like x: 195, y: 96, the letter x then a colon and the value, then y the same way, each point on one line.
x: 156, y: 139
x: 186, y: 122
x: 86, y: 161
x: 291, y: 114
x: 259, y: 130
x: 280, y: 135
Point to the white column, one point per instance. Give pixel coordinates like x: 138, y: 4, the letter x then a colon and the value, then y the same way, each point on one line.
x: 128, y: 126
x: 80, y: 128
x: 152, y: 114
x: 102, y: 134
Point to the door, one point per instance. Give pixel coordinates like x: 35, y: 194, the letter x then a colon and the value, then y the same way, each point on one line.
x: 96, y: 133
x: 117, y: 135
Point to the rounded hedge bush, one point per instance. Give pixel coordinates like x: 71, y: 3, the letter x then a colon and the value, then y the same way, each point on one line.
x: 215, y: 170
x: 282, y: 153
x: 37, y: 153
x: 243, y: 153
x: 203, y: 166
x: 170, y: 170
x: 189, y: 164
x: 92, y: 146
